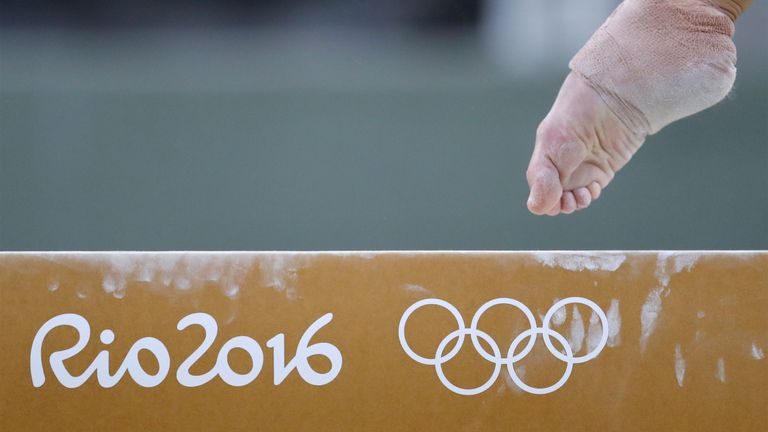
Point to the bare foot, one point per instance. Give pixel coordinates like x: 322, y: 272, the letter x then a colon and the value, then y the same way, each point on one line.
x: 580, y: 146
x: 651, y: 63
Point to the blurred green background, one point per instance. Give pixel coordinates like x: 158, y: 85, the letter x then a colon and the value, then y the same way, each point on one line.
x: 336, y: 136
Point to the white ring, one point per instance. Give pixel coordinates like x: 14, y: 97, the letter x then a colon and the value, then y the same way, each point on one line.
x: 412, y: 309
x: 502, y: 301
x: 537, y: 390
x: 603, y: 337
x: 439, y: 366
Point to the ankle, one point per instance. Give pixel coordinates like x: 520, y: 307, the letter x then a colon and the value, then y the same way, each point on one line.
x: 656, y: 61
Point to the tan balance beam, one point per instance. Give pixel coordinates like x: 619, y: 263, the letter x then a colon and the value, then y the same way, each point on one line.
x: 389, y: 341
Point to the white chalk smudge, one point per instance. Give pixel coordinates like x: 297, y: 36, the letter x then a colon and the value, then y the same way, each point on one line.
x: 661, y: 269
x: 81, y: 295
x: 720, y: 375
x: 114, y: 285
x: 275, y: 271
x: 680, y: 261
x: 579, y: 262
x: 685, y: 261
x: 109, y: 284
x: 558, y: 318
x: 232, y: 291
x: 576, y: 335
x: 281, y: 273
x: 53, y: 286
x: 595, y: 332
x: 291, y: 293
x: 185, y: 272
x: 122, y: 264
x: 144, y: 275
x: 679, y: 365
x: 698, y: 336
x: 649, y: 315
x: 418, y: 289
x: 757, y: 352
x: 700, y: 314
x: 520, y: 371
x: 614, y: 324
x: 182, y: 283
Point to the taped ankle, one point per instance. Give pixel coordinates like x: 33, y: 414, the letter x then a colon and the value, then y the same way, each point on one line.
x: 656, y: 61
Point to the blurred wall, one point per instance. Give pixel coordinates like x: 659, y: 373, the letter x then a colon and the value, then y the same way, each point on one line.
x: 318, y: 128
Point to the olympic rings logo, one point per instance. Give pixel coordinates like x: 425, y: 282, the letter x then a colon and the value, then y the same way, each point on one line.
x: 496, y: 357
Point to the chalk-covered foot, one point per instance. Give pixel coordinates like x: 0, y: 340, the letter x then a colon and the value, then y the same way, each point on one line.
x: 651, y: 63
x: 580, y: 146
